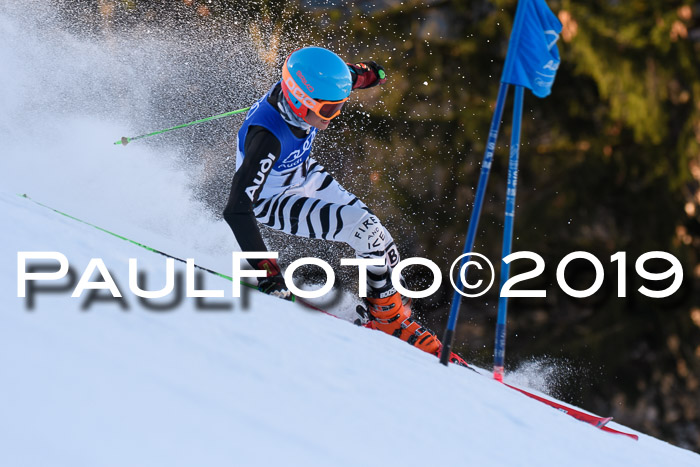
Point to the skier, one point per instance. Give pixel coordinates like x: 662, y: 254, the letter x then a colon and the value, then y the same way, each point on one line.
x: 279, y: 184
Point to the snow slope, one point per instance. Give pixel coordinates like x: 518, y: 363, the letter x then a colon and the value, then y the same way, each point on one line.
x: 273, y: 384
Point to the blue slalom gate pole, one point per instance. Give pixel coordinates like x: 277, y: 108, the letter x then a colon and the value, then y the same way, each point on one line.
x: 500, y: 346
x: 474, y: 219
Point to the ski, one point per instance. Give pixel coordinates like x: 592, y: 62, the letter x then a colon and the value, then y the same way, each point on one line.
x: 364, y: 320
x: 599, y: 422
x: 595, y: 420
x: 618, y: 432
x: 591, y: 419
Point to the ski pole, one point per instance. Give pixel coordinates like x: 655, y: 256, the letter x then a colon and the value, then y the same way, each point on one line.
x: 126, y: 140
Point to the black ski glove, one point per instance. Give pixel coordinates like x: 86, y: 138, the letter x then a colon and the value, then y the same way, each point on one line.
x: 273, y: 284
x: 366, y: 74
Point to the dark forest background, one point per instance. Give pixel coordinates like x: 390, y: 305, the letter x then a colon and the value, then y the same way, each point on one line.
x: 609, y: 162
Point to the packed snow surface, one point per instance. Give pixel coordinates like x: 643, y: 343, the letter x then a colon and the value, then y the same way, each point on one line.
x: 270, y: 383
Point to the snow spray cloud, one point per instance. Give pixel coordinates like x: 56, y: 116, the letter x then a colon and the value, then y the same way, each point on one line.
x: 71, y: 86
x: 554, y: 376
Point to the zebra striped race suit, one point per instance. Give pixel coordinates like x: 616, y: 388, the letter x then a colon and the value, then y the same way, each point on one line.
x: 278, y: 184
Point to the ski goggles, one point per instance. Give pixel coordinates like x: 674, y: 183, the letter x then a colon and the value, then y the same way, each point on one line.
x: 324, y: 109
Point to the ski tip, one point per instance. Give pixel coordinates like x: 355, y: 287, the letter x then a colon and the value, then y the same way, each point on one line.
x: 618, y: 432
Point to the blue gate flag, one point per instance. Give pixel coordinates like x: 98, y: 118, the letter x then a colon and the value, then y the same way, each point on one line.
x: 533, y: 57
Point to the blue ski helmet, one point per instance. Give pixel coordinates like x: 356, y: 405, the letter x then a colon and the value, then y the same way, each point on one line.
x: 318, y: 74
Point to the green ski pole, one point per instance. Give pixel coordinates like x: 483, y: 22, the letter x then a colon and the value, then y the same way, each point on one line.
x: 126, y: 140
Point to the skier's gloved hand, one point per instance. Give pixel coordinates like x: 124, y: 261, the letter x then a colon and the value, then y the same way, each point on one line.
x: 366, y: 74
x: 273, y: 284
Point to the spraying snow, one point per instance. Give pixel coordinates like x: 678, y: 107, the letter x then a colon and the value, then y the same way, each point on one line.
x: 548, y: 375
x: 67, y: 98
